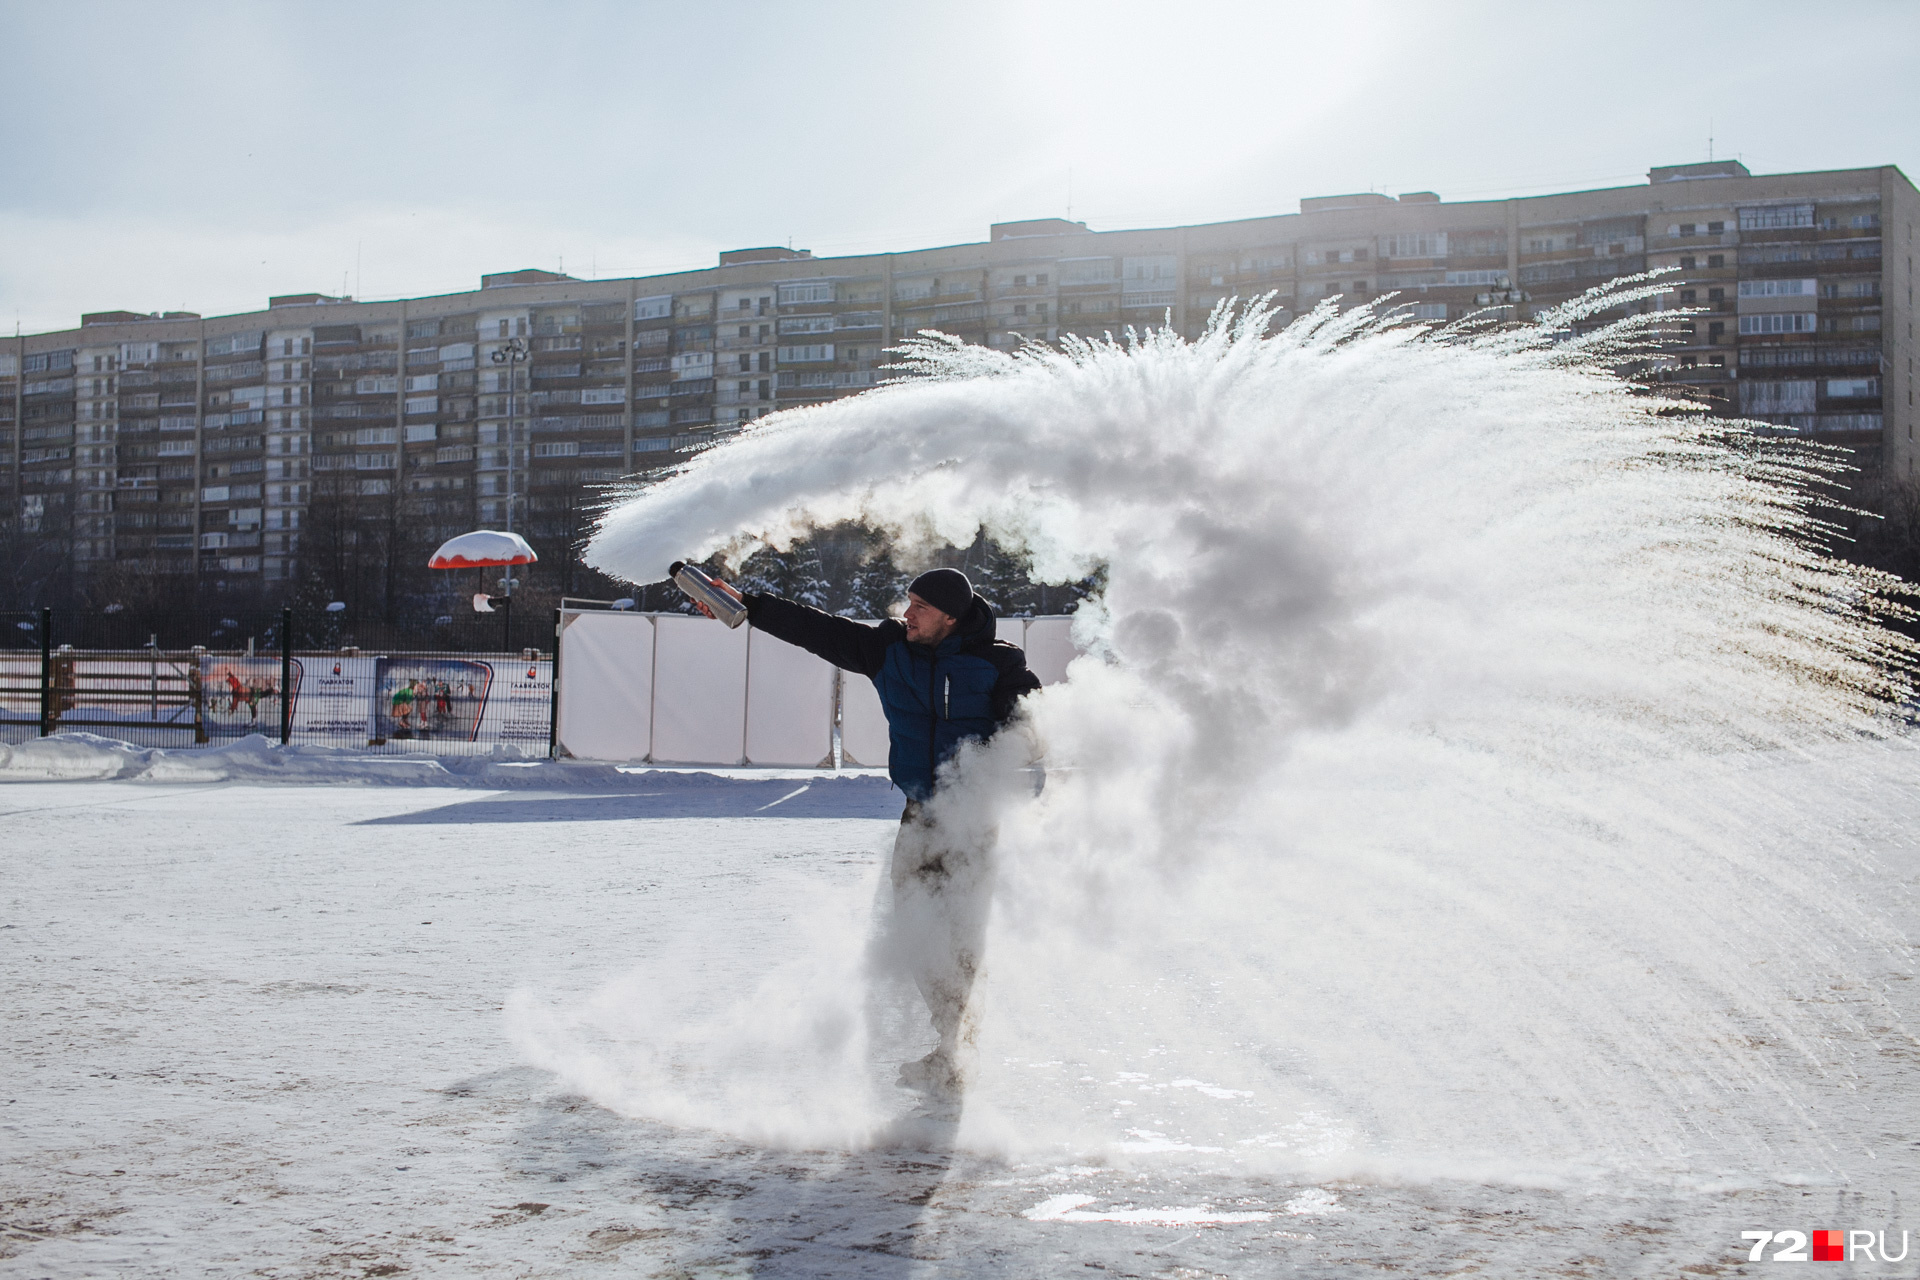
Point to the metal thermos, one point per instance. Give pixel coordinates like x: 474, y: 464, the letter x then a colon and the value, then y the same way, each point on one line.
x: 700, y: 587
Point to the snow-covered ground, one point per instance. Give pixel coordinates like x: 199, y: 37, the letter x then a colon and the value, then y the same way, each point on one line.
x: 255, y: 1027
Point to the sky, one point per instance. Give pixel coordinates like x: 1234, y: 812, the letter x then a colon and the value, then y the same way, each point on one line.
x: 203, y: 156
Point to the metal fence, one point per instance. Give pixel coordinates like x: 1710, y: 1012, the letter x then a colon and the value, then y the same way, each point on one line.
x: 510, y: 628
x: 654, y: 688
x: 442, y: 702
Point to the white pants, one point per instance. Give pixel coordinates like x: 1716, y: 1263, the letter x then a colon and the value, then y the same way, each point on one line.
x: 941, y: 892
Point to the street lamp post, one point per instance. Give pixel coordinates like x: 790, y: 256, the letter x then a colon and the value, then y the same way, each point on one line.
x: 510, y: 354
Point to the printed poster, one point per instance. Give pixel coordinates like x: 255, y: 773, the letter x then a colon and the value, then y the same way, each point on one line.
x: 430, y: 699
x: 333, y: 700
x: 240, y: 696
x: 522, y: 702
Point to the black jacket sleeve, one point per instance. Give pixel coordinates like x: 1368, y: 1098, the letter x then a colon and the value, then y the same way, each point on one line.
x: 1015, y: 680
x: 849, y: 645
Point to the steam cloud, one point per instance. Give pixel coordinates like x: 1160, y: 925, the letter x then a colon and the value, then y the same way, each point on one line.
x: 1460, y: 738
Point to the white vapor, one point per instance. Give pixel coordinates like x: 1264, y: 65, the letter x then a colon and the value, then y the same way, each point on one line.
x: 1445, y: 696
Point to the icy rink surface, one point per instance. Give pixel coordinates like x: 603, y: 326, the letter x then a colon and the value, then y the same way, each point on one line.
x: 257, y: 1029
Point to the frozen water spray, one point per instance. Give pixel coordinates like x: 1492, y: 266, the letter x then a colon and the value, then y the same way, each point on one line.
x: 1460, y: 776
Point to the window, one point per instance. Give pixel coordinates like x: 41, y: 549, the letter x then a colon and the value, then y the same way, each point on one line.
x: 659, y: 307
x: 1086, y: 271
x: 1688, y: 295
x: 1779, y: 217
x: 1715, y: 260
x: 1687, y: 264
x: 1414, y: 244
x: 1715, y: 330
x: 1477, y: 277
x: 1777, y: 288
x: 1686, y: 229
x: 1865, y: 221
x: 746, y: 331
x: 1852, y: 388
x: 806, y: 353
x: 503, y: 328
x: 1716, y: 295
x: 1429, y: 311
x: 1019, y: 282
x: 811, y: 291
x: 1148, y: 271
x: 1041, y: 278
x: 1020, y: 309
x: 1779, y: 322
x: 1715, y: 228
x: 806, y: 324
x: 1777, y: 397
x: 1850, y: 422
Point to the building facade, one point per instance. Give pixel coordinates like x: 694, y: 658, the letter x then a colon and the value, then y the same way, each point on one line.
x: 239, y: 453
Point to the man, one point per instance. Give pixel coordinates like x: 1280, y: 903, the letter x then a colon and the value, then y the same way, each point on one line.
x: 943, y: 679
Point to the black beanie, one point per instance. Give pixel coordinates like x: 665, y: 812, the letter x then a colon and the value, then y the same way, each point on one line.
x: 946, y: 590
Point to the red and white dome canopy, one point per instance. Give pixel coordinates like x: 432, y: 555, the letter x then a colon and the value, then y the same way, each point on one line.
x: 481, y: 548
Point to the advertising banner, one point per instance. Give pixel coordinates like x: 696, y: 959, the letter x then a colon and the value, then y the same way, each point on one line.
x: 519, y: 708
x: 431, y: 699
x: 242, y: 696
x: 333, y: 702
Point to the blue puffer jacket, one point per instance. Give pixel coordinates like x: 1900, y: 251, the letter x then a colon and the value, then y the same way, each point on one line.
x: 935, y: 698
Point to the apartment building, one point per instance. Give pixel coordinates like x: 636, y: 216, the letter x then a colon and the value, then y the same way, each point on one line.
x: 216, y: 451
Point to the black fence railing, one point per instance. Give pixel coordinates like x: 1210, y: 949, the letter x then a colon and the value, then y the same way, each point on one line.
x: 508, y: 629
x: 457, y: 700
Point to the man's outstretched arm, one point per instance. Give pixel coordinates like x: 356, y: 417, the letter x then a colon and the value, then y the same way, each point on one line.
x: 849, y: 645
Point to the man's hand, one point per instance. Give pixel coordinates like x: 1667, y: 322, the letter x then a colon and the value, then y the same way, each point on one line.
x: 724, y: 587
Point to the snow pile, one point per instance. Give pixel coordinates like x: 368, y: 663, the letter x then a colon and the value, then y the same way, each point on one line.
x: 74, y: 756
x: 1459, y: 735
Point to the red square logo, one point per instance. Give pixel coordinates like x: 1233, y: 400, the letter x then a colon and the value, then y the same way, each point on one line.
x: 1829, y: 1246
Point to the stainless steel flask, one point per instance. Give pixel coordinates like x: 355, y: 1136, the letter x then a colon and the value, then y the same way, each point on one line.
x: 700, y: 587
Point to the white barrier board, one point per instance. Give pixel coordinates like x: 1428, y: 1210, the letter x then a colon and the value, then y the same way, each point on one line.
x: 606, y: 686
x: 789, y: 704
x: 699, y: 691
x: 1049, y: 648
x: 863, y: 725
x: 704, y: 695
